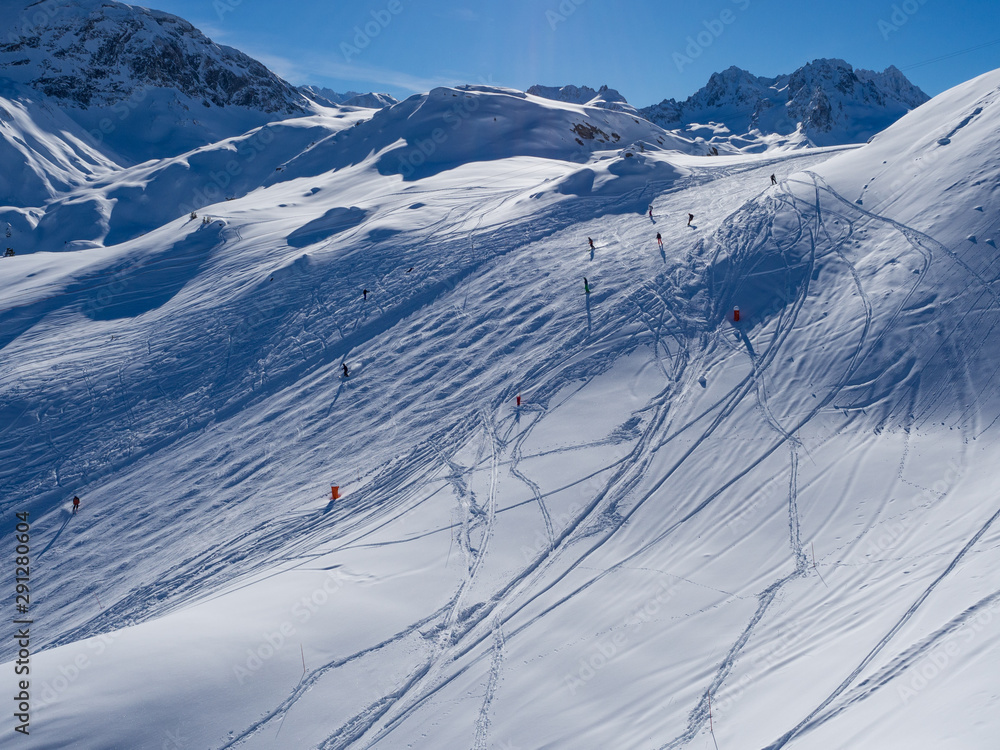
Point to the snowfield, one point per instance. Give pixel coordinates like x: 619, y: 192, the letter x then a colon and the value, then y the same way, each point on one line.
x: 692, y: 532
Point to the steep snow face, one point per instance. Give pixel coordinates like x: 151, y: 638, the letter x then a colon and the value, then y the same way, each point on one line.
x: 42, y: 151
x: 826, y: 102
x: 448, y: 127
x: 934, y: 177
x: 140, y: 81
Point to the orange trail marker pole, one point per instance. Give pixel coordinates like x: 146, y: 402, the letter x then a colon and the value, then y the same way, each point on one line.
x: 335, y: 492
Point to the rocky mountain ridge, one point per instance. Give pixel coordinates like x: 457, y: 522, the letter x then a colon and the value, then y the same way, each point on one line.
x: 823, y: 103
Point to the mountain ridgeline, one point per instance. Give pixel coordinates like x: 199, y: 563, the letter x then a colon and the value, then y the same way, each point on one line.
x: 101, y: 60
x: 824, y: 103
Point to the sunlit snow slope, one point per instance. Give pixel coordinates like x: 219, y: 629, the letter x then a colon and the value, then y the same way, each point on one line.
x: 693, y: 532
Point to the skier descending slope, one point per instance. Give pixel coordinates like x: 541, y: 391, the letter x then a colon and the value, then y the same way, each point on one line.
x: 591, y: 243
x: 586, y: 286
x: 690, y: 219
x: 659, y: 240
x: 346, y: 373
x: 76, y: 503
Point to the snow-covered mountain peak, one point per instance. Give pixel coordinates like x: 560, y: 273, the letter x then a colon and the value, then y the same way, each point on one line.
x: 604, y: 97
x: 101, y: 52
x: 103, y: 61
x: 825, y: 102
x: 450, y: 127
x: 329, y: 98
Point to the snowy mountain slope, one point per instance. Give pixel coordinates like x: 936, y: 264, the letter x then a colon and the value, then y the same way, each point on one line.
x: 771, y: 530
x: 825, y: 102
x: 330, y: 98
x: 125, y: 204
x: 43, y: 152
x: 447, y: 127
x: 142, y: 82
x: 604, y: 97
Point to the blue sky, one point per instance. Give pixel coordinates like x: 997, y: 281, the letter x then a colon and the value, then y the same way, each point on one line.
x: 646, y: 49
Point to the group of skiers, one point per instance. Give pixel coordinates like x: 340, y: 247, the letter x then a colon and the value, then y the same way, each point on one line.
x: 659, y: 241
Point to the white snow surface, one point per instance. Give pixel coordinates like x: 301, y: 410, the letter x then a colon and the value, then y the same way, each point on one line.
x: 692, y: 533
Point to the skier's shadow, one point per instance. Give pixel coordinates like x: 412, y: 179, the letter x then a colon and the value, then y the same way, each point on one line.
x: 746, y: 342
x: 53, y: 540
x: 663, y: 255
x: 589, y: 322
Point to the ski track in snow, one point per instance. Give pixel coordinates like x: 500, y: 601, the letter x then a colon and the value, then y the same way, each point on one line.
x: 685, y: 333
x: 755, y: 384
x: 345, y: 738
x: 636, y: 467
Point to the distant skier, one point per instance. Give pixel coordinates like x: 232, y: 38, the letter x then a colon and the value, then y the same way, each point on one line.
x: 591, y: 243
x: 774, y: 180
x: 9, y: 253
x: 690, y: 219
x: 650, y: 211
x: 76, y: 503
x: 364, y: 293
x: 586, y: 286
x: 659, y: 240
x: 347, y: 374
